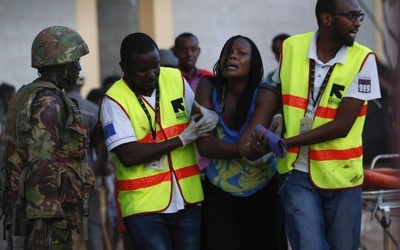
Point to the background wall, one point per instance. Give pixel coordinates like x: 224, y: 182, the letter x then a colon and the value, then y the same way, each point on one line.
x: 214, y: 22
x: 116, y: 20
x: 20, y: 22
x: 104, y: 24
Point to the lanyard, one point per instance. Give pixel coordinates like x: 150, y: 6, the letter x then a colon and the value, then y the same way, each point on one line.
x: 311, y: 79
x: 156, y: 111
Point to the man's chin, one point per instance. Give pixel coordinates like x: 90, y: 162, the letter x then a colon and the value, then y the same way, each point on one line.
x: 71, y: 82
x: 188, y: 67
x: 349, y: 43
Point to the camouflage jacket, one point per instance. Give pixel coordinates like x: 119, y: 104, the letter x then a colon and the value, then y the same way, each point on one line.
x: 45, y: 148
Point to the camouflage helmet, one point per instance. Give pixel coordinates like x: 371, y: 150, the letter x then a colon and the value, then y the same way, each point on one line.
x: 57, y: 45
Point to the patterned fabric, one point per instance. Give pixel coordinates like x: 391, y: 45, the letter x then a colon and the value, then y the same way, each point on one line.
x: 45, y: 151
x: 57, y: 45
x: 236, y: 176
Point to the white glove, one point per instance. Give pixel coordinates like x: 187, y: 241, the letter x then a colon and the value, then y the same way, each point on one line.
x: 208, y: 120
x: 277, y: 123
x: 190, y: 133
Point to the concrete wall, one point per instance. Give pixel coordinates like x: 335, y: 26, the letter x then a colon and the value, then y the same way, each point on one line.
x: 86, y: 18
x: 216, y: 21
x: 116, y: 19
x: 212, y: 21
x: 20, y: 22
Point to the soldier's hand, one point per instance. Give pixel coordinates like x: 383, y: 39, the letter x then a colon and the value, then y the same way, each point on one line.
x: 38, y: 239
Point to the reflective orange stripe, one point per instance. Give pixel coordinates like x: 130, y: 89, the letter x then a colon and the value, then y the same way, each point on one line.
x: 144, y: 182
x: 331, y: 155
x: 294, y: 101
x: 162, y: 134
x: 363, y: 110
x: 330, y: 113
x: 125, y: 185
x: 187, y: 172
x: 293, y: 150
x: 324, y: 112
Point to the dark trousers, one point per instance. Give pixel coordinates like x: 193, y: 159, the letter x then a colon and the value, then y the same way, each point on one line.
x: 255, y: 222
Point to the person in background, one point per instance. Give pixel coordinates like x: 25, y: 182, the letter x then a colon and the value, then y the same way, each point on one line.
x: 7, y: 92
x: 187, y: 50
x: 45, y: 149
x: 96, y: 95
x: 168, y: 59
x: 110, y: 80
x: 327, y: 79
x: 241, y: 209
x: 116, y: 229
x: 147, y: 124
x: 112, y: 221
x: 377, y: 136
x: 276, y: 48
x: 96, y: 160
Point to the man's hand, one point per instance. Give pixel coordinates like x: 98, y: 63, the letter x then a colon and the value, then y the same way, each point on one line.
x: 191, y: 133
x: 208, y: 120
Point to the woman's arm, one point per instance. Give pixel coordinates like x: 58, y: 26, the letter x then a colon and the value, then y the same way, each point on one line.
x: 252, y: 145
x: 210, y: 146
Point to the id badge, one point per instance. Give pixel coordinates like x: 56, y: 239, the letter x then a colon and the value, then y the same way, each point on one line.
x: 305, y: 124
x: 159, y: 164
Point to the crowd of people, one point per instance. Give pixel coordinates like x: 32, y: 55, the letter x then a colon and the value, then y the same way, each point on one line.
x: 176, y: 149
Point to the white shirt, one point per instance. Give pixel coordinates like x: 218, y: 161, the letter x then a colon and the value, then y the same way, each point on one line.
x: 368, y: 71
x: 113, y: 114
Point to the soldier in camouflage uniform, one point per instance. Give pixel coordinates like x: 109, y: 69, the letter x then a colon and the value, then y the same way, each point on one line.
x: 47, y: 181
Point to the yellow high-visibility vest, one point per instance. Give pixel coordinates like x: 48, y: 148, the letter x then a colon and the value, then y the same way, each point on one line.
x: 141, y: 190
x: 335, y: 164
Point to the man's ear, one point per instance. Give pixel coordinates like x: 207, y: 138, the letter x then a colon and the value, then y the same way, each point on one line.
x: 326, y: 19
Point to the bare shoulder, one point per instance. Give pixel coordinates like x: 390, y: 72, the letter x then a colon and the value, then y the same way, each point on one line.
x: 204, y: 84
x: 204, y: 93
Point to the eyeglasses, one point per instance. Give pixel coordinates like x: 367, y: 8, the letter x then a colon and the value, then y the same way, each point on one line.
x: 352, y: 16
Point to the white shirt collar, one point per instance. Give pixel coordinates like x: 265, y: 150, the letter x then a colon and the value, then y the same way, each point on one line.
x: 339, y: 57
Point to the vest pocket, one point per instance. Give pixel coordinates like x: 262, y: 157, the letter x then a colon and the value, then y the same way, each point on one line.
x: 77, y: 141
x: 74, y: 187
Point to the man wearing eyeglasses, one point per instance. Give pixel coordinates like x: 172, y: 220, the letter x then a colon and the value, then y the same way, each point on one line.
x: 327, y: 79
